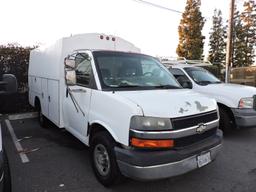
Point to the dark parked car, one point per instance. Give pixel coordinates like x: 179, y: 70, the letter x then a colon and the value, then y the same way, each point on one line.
x: 8, y: 85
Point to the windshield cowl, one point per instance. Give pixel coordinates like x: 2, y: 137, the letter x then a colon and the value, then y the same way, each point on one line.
x: 208, y: 82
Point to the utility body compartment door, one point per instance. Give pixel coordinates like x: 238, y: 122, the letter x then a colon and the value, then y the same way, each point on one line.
x: 53, y: 101
x: 44, y: 98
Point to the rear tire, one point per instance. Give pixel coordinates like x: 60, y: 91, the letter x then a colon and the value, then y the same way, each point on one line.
x: 41, y: 118
x: 103, y: 159
x: 225, y: 121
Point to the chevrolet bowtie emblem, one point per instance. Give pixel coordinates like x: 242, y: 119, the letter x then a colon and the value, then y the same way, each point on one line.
x: 201, y: 128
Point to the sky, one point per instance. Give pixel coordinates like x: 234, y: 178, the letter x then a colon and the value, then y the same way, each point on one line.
x: 153, y: 30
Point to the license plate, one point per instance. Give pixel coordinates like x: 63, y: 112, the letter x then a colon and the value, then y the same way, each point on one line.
x: 203, y: 159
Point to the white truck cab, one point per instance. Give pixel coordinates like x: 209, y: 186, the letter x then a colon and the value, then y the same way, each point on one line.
x: 130, y: 110
x: 237, y: 103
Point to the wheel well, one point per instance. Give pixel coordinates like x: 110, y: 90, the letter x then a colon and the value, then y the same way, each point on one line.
x: 228, y: 110
x: 37, y: 103
x: 96, y: 128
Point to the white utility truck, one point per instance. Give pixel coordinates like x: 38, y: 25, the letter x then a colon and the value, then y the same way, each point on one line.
x: 237, y: 103
x: 130, y: 110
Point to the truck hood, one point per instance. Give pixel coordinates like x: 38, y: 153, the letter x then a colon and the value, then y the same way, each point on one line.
x: 170, y: 103
x: 233, y: 91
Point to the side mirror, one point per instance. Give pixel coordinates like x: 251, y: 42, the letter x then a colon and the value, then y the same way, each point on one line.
x: 9, y: 84
x: 69, y: 63
x: 70, y: 77
x: 187, y: 85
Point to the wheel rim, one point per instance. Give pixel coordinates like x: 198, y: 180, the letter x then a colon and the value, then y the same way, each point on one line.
x: 101, y: 159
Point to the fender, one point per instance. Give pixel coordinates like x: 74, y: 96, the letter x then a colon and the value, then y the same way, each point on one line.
x: 107, y: 127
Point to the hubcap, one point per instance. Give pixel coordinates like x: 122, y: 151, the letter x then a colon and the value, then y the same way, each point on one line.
x: 101, y: 159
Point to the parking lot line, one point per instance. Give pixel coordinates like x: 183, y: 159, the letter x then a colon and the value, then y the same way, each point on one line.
x: 23, y: 116
x: 23, y: 156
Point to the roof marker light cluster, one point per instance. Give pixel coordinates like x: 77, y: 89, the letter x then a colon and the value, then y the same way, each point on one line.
x: 107, y: 38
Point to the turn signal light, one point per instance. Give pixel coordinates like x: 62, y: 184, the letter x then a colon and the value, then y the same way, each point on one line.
x: 146, y: 143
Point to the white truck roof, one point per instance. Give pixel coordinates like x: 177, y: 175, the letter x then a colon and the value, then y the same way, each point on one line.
x: 52, y: 56
x: 183, y: 62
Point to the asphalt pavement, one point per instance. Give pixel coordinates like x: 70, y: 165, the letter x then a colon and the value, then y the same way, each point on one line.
x: 57, y: 161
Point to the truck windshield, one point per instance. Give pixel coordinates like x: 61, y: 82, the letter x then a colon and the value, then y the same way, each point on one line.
x: 201, y: 76
x: 119, y: 70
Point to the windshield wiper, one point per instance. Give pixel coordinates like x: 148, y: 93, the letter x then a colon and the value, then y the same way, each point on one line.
x: 127, y: 86
x: 158, y: 87
x: 208, y: 82
x: 204, y: 82
x: 217, y: 82
x: 167, y: 87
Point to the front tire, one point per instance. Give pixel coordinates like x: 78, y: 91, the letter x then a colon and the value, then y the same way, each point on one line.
x: 225, y: 121
x: 103, y: 159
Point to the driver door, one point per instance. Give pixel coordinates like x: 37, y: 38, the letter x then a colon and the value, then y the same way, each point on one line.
x: 78, y: 98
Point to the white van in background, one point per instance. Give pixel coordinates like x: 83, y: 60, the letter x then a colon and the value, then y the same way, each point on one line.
x: 126, y: 106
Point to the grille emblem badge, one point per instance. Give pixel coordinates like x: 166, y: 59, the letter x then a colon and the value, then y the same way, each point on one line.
x: 201, y: 128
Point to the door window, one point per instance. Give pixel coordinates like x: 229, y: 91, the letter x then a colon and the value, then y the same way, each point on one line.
x: 83, y: 69
x: 181, y: 77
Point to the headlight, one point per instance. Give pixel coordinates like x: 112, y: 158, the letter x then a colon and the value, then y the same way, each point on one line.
x: 150, y: 123
x: 246, y: 103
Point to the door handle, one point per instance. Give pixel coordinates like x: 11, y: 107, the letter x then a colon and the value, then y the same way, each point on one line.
x: 78, y: 90
x: 49, y: 98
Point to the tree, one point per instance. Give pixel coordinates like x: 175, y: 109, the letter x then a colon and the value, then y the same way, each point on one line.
x: 238, y: 41
x: 191, y: 40
x: 217, y: 42
x: 244, y: 40
x: 248, y: 17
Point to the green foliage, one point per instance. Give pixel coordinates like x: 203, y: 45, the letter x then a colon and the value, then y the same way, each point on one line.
x: 238, y: 43
x: 217, y: 39
x: 248, y: 18
x: 244, y: 40
x: 14, y: 59
x: 191, y: 40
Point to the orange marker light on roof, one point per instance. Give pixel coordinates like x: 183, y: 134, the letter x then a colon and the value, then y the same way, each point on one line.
x: 101, y: 37
x: 113, y: 38
x: 107, y: 38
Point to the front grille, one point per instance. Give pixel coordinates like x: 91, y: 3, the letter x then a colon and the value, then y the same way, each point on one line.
x: 190, y: 121
x: 189, y: 140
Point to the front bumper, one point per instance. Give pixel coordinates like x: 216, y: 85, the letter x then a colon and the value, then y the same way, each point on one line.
x: 151, y: 165
x: 245, y: 118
